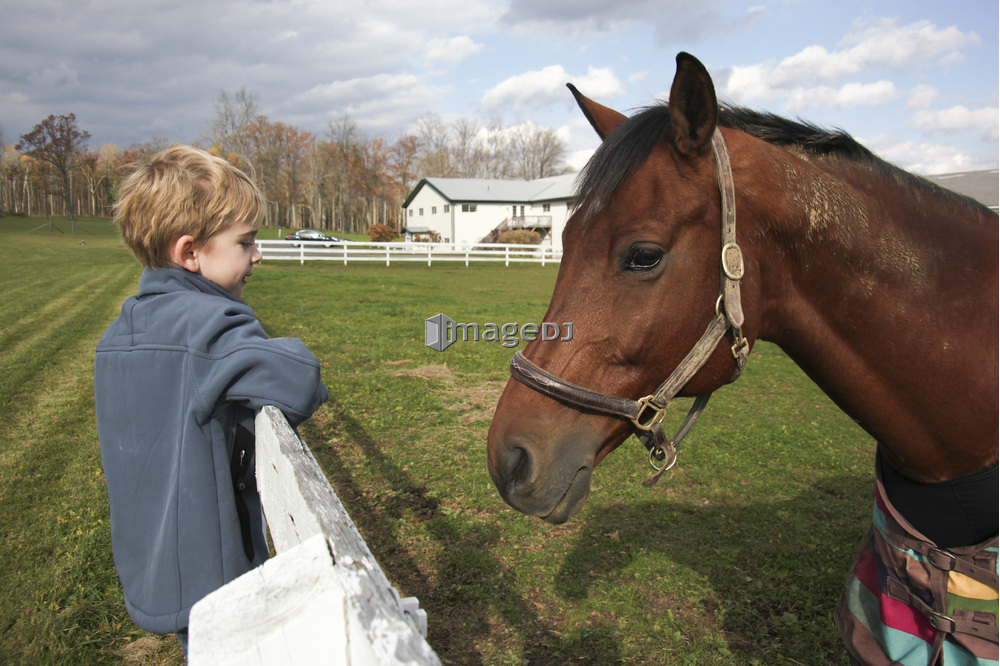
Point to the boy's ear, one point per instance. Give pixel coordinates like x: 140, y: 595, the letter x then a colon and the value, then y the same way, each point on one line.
x: 182, y: 253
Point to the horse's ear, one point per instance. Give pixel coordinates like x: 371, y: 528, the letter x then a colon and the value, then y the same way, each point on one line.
x: 694, y: 108
x: 602, y: 119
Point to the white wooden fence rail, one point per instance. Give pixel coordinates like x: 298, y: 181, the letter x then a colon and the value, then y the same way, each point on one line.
x: 303, y: 251
x: 323, y: 599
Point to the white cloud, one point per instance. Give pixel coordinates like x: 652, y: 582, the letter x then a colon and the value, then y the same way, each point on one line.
x: 959, y: 119
x: 887, y: 44
x: 883, y: 45
x: 376, y: 103
x: 539, y: 88
x: 451, y: 50
x: 921, y: 97
x: 927, y: 158
x: 848, y: 96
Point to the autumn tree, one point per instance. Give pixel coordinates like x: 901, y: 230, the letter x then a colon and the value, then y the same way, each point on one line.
x: 57, y: 143
x: 278, y: 154
x: 403, y: 162
x: 100, y: 172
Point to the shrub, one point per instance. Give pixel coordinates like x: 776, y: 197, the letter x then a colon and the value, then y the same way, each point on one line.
x: 430, y: 237
x: 520, y: 237
x: 381, y: 233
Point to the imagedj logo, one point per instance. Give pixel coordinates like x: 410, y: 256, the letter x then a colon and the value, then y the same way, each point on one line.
x: 440, y: 332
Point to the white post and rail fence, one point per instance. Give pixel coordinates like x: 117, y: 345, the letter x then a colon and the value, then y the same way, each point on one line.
x: 303, y: 251
x: 323, y: 599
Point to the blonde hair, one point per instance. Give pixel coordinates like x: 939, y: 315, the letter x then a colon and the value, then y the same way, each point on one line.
x: 182, y: 191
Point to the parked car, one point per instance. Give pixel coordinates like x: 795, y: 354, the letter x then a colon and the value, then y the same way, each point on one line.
x: 312, y: 235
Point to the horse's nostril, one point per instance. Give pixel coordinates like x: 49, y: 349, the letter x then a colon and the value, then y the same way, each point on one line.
x: 515, y: 466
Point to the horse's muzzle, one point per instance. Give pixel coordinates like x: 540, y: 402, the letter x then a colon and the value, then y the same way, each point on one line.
x: 550, y: 481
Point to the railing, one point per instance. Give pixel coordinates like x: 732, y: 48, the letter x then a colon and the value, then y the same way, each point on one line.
x: 303, y: 251
x: 530, y: 222
x: 323, y: 599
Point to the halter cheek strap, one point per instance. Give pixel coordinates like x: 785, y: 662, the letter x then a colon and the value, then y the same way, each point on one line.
x: 646, y: 414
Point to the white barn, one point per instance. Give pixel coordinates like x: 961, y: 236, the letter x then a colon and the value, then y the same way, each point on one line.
x: 474, y: 210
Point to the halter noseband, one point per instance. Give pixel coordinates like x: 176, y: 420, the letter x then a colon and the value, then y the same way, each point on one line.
x: 647, y: 413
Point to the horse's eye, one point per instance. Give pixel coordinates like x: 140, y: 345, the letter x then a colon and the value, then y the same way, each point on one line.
x: 643, y: 258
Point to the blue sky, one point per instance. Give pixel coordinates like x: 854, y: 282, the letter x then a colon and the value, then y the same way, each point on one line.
x: 915, y: 81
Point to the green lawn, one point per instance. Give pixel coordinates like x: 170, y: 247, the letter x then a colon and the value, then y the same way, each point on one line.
x: 737, y: 556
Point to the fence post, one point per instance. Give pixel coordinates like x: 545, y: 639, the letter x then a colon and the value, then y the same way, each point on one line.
x: 323, y: 598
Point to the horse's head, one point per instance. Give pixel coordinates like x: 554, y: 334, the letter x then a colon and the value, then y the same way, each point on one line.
x: 639, y: 281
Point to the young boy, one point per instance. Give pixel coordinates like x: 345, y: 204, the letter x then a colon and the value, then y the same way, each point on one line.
x: 177, y: 379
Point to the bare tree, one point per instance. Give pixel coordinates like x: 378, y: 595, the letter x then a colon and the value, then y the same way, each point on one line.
x: 435, y: 158
x: 227, y: 132
x: 468, y: 149
x: 538, y: 152
x: 498, y: 149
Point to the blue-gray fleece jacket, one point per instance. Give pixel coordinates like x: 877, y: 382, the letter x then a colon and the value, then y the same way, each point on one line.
x: 177, y: 379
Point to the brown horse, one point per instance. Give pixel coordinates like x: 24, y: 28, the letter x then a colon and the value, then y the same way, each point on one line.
x: 881, y: 286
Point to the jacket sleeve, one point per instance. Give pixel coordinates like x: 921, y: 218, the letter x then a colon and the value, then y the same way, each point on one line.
x: 255, y: 370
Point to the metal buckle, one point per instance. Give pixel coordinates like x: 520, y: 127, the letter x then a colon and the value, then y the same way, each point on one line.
x: 942, y: 622
x: 657, y: 417
x: 947, y: 564
x: 732, y: 268
x: 741, y: 347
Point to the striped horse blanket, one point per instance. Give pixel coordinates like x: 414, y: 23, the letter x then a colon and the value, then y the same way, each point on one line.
x: 909, y: 602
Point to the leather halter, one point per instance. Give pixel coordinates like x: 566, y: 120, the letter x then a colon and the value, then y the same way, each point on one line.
x: 646, y: 414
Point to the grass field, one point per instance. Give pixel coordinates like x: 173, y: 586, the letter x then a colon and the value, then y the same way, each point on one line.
x: 736, y: 557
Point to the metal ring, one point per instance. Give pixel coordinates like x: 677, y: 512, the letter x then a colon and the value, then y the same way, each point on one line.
x: 666, y: 466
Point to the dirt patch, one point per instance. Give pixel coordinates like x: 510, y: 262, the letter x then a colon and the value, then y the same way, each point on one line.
x: 152, y: 650
x: 429, y: 372
x: 479, y: 402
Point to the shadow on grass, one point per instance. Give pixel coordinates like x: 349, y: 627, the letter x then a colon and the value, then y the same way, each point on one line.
x: 468, y: 588
x: 774, y: 569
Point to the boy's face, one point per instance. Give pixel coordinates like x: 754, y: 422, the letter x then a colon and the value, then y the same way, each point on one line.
x: 228, y: 258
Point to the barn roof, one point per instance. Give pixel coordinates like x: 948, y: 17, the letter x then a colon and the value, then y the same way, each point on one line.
x: 983, y: 186
x: 480, y: 190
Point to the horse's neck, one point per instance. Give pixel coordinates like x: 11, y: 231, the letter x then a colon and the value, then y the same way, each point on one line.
x: 887, y: 297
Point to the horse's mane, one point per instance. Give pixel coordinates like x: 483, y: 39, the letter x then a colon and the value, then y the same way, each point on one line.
x: 630, y: 144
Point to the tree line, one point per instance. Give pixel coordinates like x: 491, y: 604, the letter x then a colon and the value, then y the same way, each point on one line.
x: 341, y: 180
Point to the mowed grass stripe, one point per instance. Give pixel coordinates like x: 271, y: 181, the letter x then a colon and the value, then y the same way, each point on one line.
x: 55, y: 379
x: 59, y: 592
x: 38, y: 311
x: 40, y: 341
